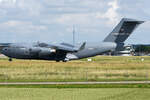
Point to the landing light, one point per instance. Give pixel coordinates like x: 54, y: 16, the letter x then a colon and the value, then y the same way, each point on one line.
x: 89, y: 59
x: 53, y: 50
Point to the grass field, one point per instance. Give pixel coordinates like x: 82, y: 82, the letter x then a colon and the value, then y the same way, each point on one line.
x: 74, y: 94
x: 100, y: 69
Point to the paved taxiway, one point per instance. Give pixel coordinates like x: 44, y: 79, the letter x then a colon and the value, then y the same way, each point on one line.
x: 53, y: 83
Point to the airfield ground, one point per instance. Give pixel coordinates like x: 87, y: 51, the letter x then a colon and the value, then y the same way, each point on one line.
x: 100, y: 69
x: 74, y: 94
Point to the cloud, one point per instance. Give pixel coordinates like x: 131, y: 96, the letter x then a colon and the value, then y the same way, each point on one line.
x: 30, y: 7
x: 51, y: 18
x: 20, y: 7
x: 111, y: 14
x: 81, y: 19
x: 7, y: 3
x: 22, y: 27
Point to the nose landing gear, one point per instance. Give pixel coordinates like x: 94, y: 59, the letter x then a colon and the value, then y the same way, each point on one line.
x: 10, y: 59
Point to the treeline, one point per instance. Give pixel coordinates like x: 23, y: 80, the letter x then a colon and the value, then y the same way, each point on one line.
x: 142, y: 48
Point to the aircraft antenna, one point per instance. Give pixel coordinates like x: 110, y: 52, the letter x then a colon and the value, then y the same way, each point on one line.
x: 74, y: 35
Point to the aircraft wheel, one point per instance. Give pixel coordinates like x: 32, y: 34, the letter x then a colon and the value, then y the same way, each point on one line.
x: 57, y: 60
x: 10, y: 59
x: 64, y: 60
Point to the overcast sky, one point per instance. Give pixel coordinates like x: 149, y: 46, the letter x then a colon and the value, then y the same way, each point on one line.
x: 52, y: 20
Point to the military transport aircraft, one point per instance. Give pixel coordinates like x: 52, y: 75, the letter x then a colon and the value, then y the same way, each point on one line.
x: 65, y: 52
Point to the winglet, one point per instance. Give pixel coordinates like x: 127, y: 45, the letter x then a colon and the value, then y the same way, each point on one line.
x: 82, y: 46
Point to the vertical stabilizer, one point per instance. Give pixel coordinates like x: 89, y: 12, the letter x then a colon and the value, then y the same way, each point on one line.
x: 123, y: 30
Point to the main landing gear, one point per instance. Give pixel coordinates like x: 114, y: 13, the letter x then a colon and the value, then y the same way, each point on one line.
x: 62, y: 61
x: 65, y: 60
x: 57, y: 60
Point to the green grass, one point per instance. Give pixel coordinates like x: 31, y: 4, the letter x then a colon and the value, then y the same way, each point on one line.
x: 100, y: 69
x: 60, y: 86
x: 74, y: 94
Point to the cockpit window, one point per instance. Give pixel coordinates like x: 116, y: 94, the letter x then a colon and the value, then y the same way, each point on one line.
x: 5, y: 49
x: 30, y: 50
x: 43, y: 44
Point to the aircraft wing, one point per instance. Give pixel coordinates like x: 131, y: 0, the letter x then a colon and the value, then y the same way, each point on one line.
x: 67, y: 47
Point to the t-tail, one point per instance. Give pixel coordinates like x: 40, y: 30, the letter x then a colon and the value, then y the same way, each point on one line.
x: 122, y: 31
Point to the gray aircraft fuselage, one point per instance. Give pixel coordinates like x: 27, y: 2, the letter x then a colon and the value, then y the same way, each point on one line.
x: 93, y: 49
x: 43, y: 53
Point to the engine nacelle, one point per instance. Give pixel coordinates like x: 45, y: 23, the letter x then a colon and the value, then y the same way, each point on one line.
x: 34, y: 50
x: 46, y: 52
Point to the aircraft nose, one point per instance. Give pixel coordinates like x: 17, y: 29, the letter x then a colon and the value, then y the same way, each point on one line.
x: 4, y: 51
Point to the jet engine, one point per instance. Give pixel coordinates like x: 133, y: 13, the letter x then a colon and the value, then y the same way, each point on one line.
x: 34, y: 50
x: 46, y: 52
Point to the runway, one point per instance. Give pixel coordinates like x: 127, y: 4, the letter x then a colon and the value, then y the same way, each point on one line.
x: 73, y: 83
